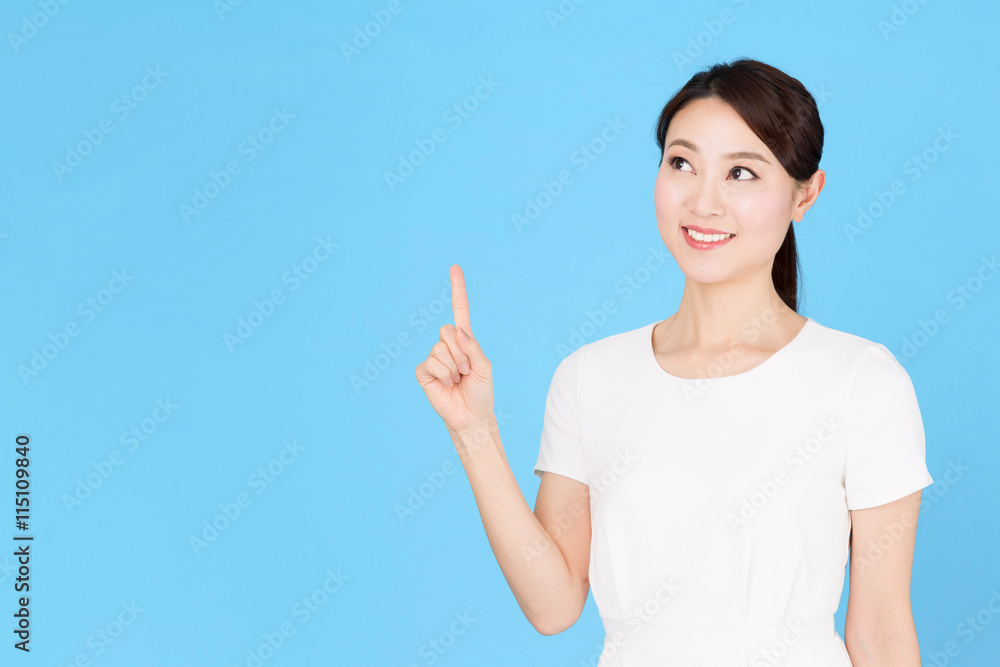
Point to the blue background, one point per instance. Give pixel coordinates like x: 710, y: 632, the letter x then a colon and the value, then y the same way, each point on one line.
x: 169, y: 332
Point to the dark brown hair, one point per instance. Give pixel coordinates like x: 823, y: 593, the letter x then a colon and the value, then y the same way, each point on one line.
x: 779, y: 110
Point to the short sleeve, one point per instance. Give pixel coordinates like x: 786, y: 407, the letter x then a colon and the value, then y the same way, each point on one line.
x: 561, y: 449
x: 885, y: 434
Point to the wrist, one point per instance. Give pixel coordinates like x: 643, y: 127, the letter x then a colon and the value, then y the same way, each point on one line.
x: 476, y: 437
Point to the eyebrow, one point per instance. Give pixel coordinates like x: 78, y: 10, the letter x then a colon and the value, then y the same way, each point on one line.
x: 739, y: 155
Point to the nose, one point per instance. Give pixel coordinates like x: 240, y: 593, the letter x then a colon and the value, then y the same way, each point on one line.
x: 705, y: 200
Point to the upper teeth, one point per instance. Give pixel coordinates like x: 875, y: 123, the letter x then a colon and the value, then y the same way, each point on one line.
x: 709, y: 238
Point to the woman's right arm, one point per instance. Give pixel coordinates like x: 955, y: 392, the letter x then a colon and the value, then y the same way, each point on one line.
x: 545, y: 554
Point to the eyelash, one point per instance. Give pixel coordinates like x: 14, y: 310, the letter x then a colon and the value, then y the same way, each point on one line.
x: 673, y: 165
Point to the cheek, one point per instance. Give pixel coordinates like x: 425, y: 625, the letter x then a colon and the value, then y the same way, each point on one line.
x: 762, y: 211
x: 665, y: 199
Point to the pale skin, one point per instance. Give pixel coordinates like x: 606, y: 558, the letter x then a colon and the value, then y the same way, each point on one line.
x: 545, y: 568
x: 716, y: 174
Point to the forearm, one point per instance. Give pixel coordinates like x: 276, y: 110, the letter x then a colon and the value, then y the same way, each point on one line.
x: 531, y: 561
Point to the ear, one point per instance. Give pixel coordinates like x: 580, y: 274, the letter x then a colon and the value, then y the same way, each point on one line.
x: 806, y: 197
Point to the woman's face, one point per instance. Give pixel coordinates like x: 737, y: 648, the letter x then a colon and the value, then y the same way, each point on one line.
x: 717, y: 174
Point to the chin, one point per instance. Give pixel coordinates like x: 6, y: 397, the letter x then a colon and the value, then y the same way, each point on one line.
x: 706, y: 277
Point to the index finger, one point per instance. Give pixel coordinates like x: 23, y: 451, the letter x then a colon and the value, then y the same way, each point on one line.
x: 459, y: 299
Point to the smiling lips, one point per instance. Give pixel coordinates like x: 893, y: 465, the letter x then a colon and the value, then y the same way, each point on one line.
x: 702, y: 238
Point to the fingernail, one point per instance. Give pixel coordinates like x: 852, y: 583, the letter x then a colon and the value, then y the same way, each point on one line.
x: 462, y: 334
x: 464, y: 368
x: 456, y: 379
x: 450, y: 382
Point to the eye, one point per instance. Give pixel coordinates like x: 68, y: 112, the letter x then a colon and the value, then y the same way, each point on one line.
x: 674, y: 160
x: 742, y: 173
x: 745, y: 171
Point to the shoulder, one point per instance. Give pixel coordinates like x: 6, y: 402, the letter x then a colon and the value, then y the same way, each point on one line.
x: 850, y: 350
x: 869, y: 369
x: 601, y: 358
x: 619, y: 345
x: 836, y: 340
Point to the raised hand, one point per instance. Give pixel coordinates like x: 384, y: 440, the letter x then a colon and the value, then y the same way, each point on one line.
x: 456, y: 376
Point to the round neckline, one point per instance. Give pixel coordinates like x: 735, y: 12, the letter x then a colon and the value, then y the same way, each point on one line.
x: 651, y: 354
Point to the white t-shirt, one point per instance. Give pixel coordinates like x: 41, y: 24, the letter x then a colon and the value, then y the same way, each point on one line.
x: 720, y: 507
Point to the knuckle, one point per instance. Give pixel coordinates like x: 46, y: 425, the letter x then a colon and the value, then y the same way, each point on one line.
x: 445, y: 330
x: 443, y: 356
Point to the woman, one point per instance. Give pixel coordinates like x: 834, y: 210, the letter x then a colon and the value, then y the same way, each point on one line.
x: 707, y: 473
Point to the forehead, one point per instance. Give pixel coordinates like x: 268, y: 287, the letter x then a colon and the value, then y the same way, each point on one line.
x: 715, y: 127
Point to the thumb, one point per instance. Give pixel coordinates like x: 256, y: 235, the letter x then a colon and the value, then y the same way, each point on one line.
x: 469, y: 345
